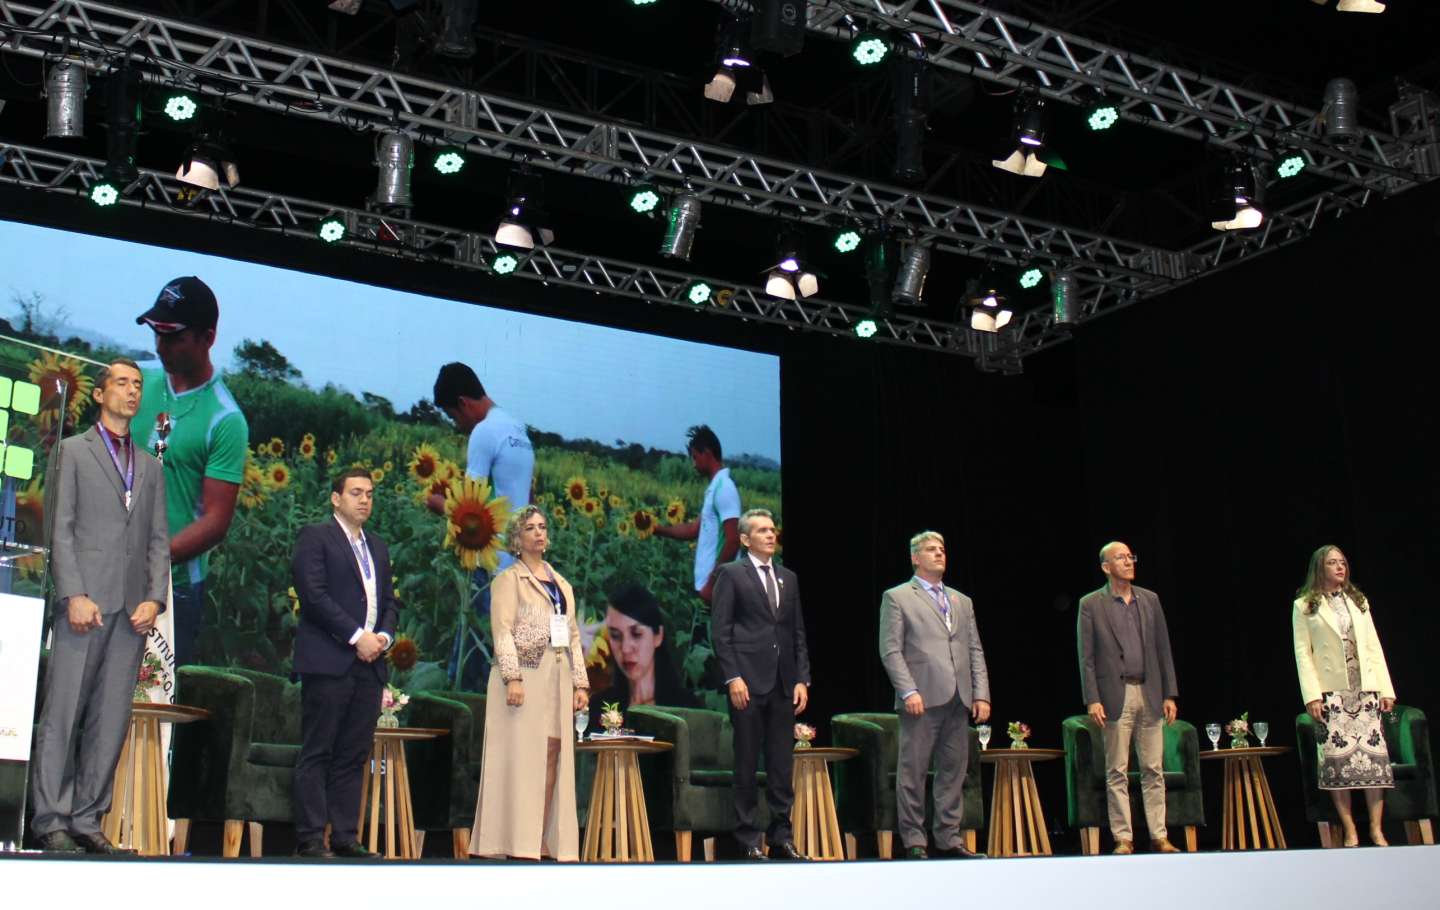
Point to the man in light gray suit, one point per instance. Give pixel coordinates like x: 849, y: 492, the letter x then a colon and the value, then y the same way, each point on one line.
x: 1127, y: 677
x: 110, y: 564
x: 930, y: 647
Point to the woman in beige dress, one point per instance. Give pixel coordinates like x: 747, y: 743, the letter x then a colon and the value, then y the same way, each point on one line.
x: 526, y: 806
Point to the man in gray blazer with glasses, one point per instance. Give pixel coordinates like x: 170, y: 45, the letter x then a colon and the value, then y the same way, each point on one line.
x: 931, y: 649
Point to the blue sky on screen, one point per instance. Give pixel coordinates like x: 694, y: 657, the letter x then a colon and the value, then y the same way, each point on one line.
x: 575, y: 379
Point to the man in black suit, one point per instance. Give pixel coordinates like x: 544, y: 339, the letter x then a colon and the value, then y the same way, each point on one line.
x: 347, y: 622
x: 759, y: 636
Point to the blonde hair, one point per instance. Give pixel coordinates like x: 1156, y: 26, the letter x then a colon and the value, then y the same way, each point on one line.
x: 517, y: 521
x: 918, y: 540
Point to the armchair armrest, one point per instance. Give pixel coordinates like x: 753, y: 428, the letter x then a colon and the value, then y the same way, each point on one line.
x: 209, y: 754
x: 440, y: 768
x: 860, y: 782
x: 669, y: 725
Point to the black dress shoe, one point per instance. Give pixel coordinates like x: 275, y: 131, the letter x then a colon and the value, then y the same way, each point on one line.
x: 755, y: 853
x: 314, y: 849
x: 785, y: 850
x: 959, y: 851
x: 916, y: 853
x: 100, y: 844
x: 352, y: 850
x: 58, y: 842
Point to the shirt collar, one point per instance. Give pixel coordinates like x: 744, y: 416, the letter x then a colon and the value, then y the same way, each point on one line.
x: 756, y: 561
x: 350, y: 532
x: 929, y: 587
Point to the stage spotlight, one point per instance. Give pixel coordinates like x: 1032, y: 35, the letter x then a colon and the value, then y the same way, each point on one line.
x: 910, y: 279
x: 394, y: 157
x: 208, y: 163
x: 866, y: 328
x: 332, y: 229
x: 698, y: 292
x: 847, y: 241
x: 524, y: 221
x: 989, y: 310
x: 642, y: 2
x: 1062, y: 298
x: 122, y: 126
x: 180, y: 107
x: 869, y: 49
x: 449, y: 161
x: 457, y: 29
x: 65, y: 100
x: 104, y: 193
x: 644, y: 199
x: 1342, y: 119
x: 1100, y: 112
x: 1237, y: 204
x: 735, y: 63
x: 911, y: 78
x: 1030, y: 278
x: 1029, y: 138
x: 1288, y: 164
x: 789, y: 278
x: 504, y: 263
x: 1355, y: 6
x: 683, y: 223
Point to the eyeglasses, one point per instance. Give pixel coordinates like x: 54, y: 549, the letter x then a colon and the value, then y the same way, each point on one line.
x: 1126, y: 557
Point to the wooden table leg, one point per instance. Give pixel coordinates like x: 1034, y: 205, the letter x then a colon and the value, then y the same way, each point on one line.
x: 388, y: 770
x: 608, y: 801
x: 640, y: 821
x: 1037, y: 812
x: 157, y: 840
x: 589, y: 850
x: 829, y: 817
x: 405, y: 820
x: 377, y: 757
x: 1267, y: 805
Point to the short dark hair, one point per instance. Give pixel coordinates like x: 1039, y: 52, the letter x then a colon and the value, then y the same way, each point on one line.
x: 337, y: 486
x: 701, y: 438
x: 114, y: 362
x: 456, y: 381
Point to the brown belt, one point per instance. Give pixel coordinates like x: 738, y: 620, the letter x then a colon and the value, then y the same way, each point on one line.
x: 1133, y: 680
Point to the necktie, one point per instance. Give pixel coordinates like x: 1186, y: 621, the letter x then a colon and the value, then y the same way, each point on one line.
x: 944, y: 603
x: 771, y: 593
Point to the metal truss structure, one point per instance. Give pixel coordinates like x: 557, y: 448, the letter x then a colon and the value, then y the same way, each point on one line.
x: 380, y: 233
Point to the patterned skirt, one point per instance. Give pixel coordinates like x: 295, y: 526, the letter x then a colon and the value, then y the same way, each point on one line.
x: 1353, y: 752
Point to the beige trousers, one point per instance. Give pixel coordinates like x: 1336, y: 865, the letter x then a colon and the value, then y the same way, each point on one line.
x: 1136, y: 720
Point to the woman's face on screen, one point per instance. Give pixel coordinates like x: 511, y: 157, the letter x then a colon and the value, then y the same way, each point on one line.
x: 633, y: 644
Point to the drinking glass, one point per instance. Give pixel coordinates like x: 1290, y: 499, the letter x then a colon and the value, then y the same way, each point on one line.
x: 582, y: 720
x: 1213, y: 731
x: 1262, y: 730
x: 984, y: 731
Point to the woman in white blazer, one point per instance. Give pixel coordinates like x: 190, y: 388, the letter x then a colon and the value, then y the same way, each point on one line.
x: 1345, y: 686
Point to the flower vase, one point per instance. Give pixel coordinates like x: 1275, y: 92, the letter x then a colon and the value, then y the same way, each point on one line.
x: 1019, y: 744
x: 388, y: 720
x: 802, y: 744
x: 1239, y: 742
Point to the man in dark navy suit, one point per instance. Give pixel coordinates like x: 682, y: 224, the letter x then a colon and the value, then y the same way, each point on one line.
x: 759, y: 636
x: 347, y: 622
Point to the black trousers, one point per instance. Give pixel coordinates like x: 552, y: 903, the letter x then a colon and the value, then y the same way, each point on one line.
x: 337, y: 729
x: 766, y: 726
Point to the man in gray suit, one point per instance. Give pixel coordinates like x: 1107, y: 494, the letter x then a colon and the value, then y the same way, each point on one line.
x: 110, y: 563
x: 930, y: 647
x: 1128, y: 680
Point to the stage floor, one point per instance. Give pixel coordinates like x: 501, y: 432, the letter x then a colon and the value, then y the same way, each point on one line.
x: 1397, y: 877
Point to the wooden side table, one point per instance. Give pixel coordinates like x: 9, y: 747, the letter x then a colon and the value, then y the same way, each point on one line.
x: 1017, y: 823
x: 813, y: 820
x: 1247, y: 797
x: 387, y: 779
x: 137, y: 817
x: 617, y: 830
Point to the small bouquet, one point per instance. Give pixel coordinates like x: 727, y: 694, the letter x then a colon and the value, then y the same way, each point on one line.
x: 392, y: 700
x: 611, y: 717
x: 1019, y: 731
x: 1239, y: 730
x: 804, y: 734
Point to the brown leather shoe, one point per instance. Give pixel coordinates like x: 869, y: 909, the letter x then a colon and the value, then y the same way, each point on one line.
x: 1124, y: 847
x: 1163, y: 845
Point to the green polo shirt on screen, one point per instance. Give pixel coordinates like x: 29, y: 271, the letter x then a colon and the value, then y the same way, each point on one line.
x: 208, y: 438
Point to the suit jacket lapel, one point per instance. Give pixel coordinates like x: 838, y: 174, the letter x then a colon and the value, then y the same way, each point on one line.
x: 1327, y: 613
x: 107, y: 467
x: 758, y: 585
x: 929, y: 601
x: 339, y: 533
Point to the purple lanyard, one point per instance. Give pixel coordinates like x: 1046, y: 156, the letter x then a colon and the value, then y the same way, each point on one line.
x: 127, y: 474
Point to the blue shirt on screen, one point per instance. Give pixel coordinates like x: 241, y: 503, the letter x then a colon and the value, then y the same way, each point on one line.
x: 722, y: 503
x: 500, y: 450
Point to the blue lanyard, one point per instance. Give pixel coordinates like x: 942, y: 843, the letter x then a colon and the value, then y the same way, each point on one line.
x: 553, y: 589
x: 127, y: 474
x: 362, y: 553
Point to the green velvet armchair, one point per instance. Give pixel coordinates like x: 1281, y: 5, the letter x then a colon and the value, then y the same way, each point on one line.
x: 1085, y: 781
x: 238, y: 766
x: 1407, y: 737
x: 445, y: 772
x: 690, y: 788
x: 865, y: 785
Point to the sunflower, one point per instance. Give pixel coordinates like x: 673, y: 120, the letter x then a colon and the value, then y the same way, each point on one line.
x: 275, y: 447
x: 644, y: 521
x: 576, y: 490
x: 675, y: 512
x: 50, y: 369
x: 558, y: 512
x: 600, y: 520
x: 437, y: 487
x: 377, y: 475
x: 253, y: 491
x: 277, y: 476
x: 624, y: 527
x: 602, y: 494
x: 306, y: 448
x: 616, y: 502
x: 308, y: 437
x: 404, y: 653
x: 388, y: 466
x: 599, y: 653
x: 330, y: 456
x: 294, y: 601
x: 424, y: 463
x: 474, y: 523
x: 451, y: 471
x: 589, y: 507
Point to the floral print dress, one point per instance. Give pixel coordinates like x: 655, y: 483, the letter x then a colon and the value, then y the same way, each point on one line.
x: 1353, y: 752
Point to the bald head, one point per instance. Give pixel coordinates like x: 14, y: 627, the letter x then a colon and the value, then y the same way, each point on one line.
x: 1118, y: 561
x: 1110, y: 547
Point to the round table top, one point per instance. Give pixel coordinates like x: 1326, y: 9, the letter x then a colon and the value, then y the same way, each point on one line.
x: 170, y: 714
x: 1247, y: 752
x: 642, y: 746
x: 827, y: 753
x: 990, y: 756
x: 407, y: 734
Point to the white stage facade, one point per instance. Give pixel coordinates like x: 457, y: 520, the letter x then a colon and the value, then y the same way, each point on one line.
x: 1397, y: 877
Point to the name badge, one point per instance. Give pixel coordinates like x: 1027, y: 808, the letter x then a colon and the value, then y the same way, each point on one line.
x: 559, y: 631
